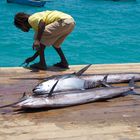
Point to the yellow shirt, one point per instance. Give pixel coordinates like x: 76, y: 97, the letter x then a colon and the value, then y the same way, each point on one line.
x: 47, y: 16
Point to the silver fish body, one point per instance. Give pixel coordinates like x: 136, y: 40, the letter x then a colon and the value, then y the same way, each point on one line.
x: 70, y: 98
x: 66, y: 82
x: 82, y: 82
x: 112, y: 78
x: 71, y: 83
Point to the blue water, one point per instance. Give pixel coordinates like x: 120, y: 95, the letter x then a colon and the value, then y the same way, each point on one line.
x: 105, y: 32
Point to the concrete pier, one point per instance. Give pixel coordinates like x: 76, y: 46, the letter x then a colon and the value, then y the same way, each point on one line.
x: 115, y: 119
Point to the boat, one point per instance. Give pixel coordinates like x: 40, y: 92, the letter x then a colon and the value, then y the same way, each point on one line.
x: 38, y: 3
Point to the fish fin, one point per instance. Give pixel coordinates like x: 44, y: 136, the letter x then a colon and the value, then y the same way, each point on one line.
x: 132, y: 86
x: 51, y: 91
x: 24, y: 95
x: 105, y: 79
x: 80, y: 72
x: 67, y: 76
x: 104, y: 82
x: 132, y: 83
x: 132, y: 92
x: 135, y: 93
x: 12, y: 104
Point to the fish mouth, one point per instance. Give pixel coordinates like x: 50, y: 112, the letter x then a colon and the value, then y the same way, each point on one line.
x: 31, y: 102
x: 36, y: 90
x: 18, y: 104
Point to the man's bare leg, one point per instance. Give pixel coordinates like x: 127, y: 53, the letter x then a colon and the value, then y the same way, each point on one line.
x: 63, y: 63
x: 42, y: 61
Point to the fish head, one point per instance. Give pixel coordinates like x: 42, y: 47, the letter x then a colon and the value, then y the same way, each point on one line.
x: 44, y: 87
x: 32, y: 102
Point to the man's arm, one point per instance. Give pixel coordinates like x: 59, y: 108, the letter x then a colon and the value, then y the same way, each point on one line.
x: 41, y: 28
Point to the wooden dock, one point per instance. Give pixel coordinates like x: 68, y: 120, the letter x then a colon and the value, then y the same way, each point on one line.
x: 115, y: 119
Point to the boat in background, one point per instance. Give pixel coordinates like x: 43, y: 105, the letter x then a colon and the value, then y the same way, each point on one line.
x: 38, y: 3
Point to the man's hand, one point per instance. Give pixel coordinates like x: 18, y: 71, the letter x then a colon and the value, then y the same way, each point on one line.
x: 36, y: 45
x: 27, y: 61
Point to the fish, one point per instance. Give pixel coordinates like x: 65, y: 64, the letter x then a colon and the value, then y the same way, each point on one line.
x: 66, y: 82
x: 78, y: 81
x: 71, y: 98
x: 112, y: 78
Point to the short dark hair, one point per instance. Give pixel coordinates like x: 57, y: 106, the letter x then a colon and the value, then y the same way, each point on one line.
x: 20, y: 19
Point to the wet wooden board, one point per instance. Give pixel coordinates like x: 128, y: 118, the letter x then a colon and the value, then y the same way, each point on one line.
x: 115, y: 119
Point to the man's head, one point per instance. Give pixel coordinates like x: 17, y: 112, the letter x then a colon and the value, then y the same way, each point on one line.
x: 21, y: 21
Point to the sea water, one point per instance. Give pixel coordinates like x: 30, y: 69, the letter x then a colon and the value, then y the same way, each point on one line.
x: 106, y: 32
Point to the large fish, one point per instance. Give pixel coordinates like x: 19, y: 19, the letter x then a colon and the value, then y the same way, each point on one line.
x: 78, y: 81
x: 112, y: 78
x: 69, y: 98
x: 66, y: 82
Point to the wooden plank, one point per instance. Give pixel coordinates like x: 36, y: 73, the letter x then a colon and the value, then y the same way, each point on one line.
x: 116, y: 119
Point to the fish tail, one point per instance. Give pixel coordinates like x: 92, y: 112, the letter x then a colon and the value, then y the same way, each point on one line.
x: 132, y: 83
x: 133, y: 86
